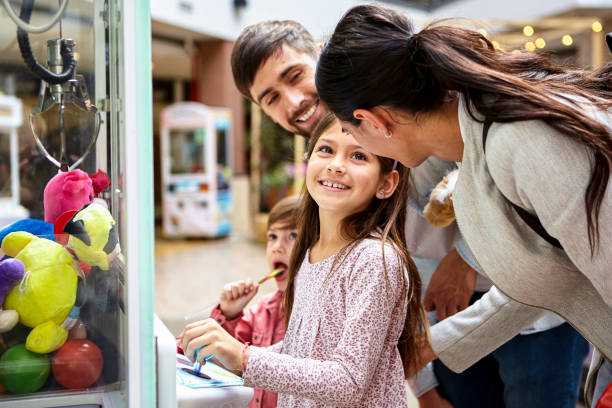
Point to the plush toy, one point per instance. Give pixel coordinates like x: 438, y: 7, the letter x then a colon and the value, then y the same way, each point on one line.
x: 41, y: 229
x: 93, y: 237
x: 11, y: 271
x: 67, y: 191
x: 22, y: 371
x: 46, y: 294
x: 72, y: 190
x: 440, y: 211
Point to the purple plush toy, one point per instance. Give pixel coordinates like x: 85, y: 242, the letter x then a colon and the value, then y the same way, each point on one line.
x: 11, y: 271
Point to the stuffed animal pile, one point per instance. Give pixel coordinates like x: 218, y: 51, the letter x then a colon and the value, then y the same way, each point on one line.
x: 44, y: 265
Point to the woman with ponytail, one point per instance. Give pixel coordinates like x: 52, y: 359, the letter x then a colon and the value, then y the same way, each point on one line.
x: 534, y: 142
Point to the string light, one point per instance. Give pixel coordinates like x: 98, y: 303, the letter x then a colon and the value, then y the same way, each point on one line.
x: 597, y: 27
x: 528, y: 30
x: 540, y: 43
x: 530, y: 46
x: 567, y: 40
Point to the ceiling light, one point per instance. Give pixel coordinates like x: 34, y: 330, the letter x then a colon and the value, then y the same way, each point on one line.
x: 597, y: 27
x: 567, y: 40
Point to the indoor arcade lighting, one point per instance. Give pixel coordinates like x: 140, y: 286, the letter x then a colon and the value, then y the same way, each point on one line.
x: 540, y: 42
x: 567, y: 40
x: 530, y: 46
x: 528, y: 30
x: 597, y: 27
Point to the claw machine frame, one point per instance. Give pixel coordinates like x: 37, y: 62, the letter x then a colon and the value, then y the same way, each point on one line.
x: 113, y: 59
x: 196, y: 171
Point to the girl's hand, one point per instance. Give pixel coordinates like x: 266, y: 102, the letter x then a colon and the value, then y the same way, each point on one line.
x: 224, y: 348
x: 235, y: 297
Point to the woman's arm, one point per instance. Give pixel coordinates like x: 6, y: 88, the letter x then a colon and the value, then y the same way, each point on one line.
x: 466, y: 337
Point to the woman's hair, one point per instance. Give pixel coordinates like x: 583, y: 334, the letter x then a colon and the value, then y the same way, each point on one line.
x: 386, y: 216
x: 285, y: 213
x: 375, y: 58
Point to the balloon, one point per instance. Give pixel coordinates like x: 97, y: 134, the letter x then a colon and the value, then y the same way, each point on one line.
x: 77, y: 364
x: 22, y: 371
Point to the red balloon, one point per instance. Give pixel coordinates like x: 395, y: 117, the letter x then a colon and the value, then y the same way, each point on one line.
x: 77, y: 364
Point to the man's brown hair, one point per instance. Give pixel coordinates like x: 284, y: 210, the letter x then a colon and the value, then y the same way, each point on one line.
x: 260, y: 41
x: 285, y: 213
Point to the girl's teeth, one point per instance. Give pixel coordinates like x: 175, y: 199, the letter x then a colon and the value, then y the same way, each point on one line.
x: 334, y: 185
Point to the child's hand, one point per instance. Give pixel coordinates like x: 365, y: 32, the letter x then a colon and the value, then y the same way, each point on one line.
x: 235, y: 296
x: 224, y: 348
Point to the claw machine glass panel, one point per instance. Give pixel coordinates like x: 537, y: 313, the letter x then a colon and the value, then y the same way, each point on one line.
x: 196, y: 170
x: 76, y: 322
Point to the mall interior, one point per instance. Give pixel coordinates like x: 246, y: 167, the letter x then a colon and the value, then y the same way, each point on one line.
x: 185, y: 167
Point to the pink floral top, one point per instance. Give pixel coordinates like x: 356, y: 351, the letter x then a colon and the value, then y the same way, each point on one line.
x: 340, y: 349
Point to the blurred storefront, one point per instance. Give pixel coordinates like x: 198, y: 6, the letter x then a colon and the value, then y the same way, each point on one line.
x: 192, y: 42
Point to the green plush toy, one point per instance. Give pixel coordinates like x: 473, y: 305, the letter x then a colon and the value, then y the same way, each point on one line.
x: 47, y: 292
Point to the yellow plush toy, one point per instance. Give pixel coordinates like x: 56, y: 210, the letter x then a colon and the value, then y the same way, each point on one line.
x: 92, y: 236
x: 439, y: 211
x: 47, y: 292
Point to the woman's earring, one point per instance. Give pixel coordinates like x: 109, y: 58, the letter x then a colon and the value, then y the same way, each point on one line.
x: 388, y: 136
x: 382, y: 194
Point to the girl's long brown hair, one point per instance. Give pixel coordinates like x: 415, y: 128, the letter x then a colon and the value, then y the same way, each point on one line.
x: 387, y: 216
x: 375, y: 58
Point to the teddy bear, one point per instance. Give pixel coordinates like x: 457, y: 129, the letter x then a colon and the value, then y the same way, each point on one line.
x: 46, y: 294
x: 439, y: 211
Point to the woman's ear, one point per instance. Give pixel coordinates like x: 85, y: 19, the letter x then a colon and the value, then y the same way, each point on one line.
x: 374, y: 117
x: 387, y: 185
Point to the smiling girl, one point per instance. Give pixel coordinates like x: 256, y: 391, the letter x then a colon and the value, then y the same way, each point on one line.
x: 353, y: 295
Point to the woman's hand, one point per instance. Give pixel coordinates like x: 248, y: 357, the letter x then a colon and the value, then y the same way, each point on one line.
x: 235, y: 296
x: 224, y: 348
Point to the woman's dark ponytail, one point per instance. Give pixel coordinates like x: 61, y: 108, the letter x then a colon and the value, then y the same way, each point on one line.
x: 374, y: 58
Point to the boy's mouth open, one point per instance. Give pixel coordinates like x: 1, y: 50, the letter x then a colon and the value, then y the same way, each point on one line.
x: 283, y: 267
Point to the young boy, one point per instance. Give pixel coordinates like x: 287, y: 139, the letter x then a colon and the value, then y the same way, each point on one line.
x: 262, y: 325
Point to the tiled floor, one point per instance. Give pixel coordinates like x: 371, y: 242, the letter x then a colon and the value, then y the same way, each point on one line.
x: 189, y: 275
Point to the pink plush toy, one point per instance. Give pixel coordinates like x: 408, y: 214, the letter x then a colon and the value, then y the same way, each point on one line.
x: 71, y: 190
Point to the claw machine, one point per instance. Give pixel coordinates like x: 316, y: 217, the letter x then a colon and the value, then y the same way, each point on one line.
x: 196, y: 170
x: 76, y: 323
